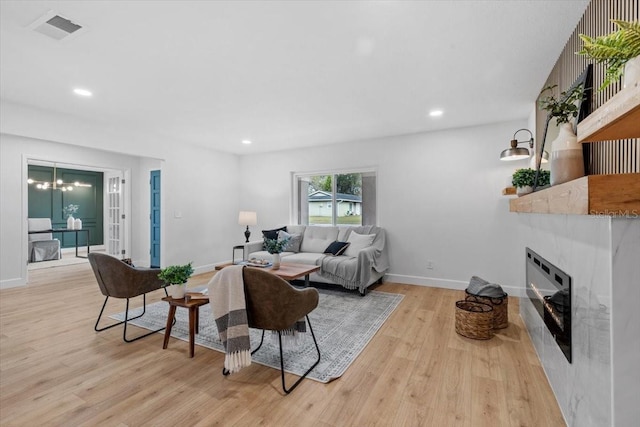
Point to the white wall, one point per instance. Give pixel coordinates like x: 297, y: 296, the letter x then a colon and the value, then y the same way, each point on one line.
x: 448, y: 184
x: 198, y: 183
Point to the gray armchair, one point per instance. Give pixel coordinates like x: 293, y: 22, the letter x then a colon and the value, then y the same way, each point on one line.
x: 119, y: 280
x: 42, y: 245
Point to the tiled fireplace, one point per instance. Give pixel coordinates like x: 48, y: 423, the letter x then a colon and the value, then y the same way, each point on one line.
x: 599, y: 384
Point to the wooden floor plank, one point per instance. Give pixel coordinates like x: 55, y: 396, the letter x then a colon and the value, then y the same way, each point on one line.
x: 55, y: 370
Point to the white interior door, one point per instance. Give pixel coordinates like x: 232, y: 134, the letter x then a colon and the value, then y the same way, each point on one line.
x: 115, y: 215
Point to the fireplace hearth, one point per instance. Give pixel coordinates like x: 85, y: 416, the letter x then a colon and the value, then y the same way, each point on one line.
x: 549, y: 289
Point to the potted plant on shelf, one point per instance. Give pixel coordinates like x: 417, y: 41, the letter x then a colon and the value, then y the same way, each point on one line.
x: 275, y: 248
x: 618, y: 51
x: 176, y: 276
x: 523, y: 180
x: 566, y: 153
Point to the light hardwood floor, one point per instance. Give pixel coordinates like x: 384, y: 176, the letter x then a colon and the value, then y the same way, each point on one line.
x: 56, y: 371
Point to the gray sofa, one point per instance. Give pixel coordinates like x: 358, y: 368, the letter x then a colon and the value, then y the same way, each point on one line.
x: 359, y: 267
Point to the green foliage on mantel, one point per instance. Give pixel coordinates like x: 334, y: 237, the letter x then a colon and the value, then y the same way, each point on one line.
x: 613, y: 50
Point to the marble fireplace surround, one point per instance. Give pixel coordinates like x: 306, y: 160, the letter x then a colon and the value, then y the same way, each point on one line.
x: 602, y: 256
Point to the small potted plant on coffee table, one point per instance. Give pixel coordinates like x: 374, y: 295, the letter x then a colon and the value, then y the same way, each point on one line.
x: 176, y: 276
x: 275, y: 248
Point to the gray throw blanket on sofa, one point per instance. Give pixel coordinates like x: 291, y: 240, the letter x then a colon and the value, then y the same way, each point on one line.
x: 355, y: 273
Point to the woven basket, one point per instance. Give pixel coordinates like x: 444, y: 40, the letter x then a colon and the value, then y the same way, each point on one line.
x: 500, y: 308
x: 474, y: 320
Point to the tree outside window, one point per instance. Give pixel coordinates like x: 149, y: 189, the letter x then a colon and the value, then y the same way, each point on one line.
x: 336, y: 199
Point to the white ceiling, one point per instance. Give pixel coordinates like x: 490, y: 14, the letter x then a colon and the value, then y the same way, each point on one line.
x: 285, y: 74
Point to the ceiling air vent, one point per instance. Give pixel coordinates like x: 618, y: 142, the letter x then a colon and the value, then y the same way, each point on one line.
x: 56, y: 26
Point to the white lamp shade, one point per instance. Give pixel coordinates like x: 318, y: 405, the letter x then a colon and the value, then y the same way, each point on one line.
x: 247, y: 218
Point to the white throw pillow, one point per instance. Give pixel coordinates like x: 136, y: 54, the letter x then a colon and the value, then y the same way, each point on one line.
x: 358, y: 242
x: 293, y: 245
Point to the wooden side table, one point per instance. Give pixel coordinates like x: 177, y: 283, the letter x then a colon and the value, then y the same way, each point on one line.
x: 194, y: 315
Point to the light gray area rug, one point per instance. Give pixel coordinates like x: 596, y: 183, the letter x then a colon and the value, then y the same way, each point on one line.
x: 343, y: 322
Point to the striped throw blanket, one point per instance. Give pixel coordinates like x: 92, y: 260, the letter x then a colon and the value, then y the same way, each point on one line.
x: 226, y: 295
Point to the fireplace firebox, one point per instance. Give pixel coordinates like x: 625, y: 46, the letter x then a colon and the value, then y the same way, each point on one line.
x: 549, y: 289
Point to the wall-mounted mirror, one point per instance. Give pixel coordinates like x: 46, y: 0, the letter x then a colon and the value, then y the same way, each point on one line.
x: 551, y: 130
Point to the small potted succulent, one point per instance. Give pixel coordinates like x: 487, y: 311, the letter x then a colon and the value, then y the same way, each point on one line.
x: 618, y: 51
x: 275, y: 248
x: 176, y: 276
x: 523, y: 180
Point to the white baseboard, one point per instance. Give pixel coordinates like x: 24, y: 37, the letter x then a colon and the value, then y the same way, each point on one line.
x: 445, y: 283
x: 82, y: 248
x: 205, y: 268
x: 12, y: 283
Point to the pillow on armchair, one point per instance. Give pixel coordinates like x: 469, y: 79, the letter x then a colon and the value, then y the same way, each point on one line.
x: 358, y: 242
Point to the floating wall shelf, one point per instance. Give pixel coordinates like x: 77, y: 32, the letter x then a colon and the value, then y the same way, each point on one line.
x: 618, y: 194
x: 615, y: 195
x: 618, y: 118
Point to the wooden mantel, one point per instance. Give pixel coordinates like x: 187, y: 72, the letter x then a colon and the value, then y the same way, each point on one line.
x: 618, y: 118
x: 615, y: 195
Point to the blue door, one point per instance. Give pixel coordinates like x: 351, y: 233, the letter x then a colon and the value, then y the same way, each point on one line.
x: 155, y: 219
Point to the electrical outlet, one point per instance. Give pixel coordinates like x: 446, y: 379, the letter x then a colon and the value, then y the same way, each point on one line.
x: 429, y: 265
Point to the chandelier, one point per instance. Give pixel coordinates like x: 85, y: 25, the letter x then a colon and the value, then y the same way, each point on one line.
x: 56, y: 184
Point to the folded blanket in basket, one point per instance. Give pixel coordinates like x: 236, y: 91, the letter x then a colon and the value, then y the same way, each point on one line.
x: 480, y: 287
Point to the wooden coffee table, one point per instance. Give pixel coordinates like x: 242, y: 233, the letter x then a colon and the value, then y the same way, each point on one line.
x: 288, y: 271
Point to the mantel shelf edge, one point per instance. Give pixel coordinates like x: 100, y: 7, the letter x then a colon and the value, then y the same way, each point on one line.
x: 614, y: 195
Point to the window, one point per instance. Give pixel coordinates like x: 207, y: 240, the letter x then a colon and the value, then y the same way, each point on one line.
x: 346, y: 198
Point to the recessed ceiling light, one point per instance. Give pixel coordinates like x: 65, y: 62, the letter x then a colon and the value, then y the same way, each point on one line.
x: 246, y: 142
x: 82, y: 92
x: 436, y: 113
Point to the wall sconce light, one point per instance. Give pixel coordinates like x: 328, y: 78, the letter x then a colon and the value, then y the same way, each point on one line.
x: 247, y: 218
x: 515, y: 152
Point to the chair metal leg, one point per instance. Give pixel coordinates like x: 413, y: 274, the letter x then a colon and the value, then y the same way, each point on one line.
x: 126, y: 320
x: 259, y: 345
x: 284, y: 388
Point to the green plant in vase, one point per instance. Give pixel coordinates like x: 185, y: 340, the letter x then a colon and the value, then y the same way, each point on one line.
x: 566, y: 153
x: 565, y: 107
x: 275, y: 248
x: 70, y: 210
x: 614, y: 50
